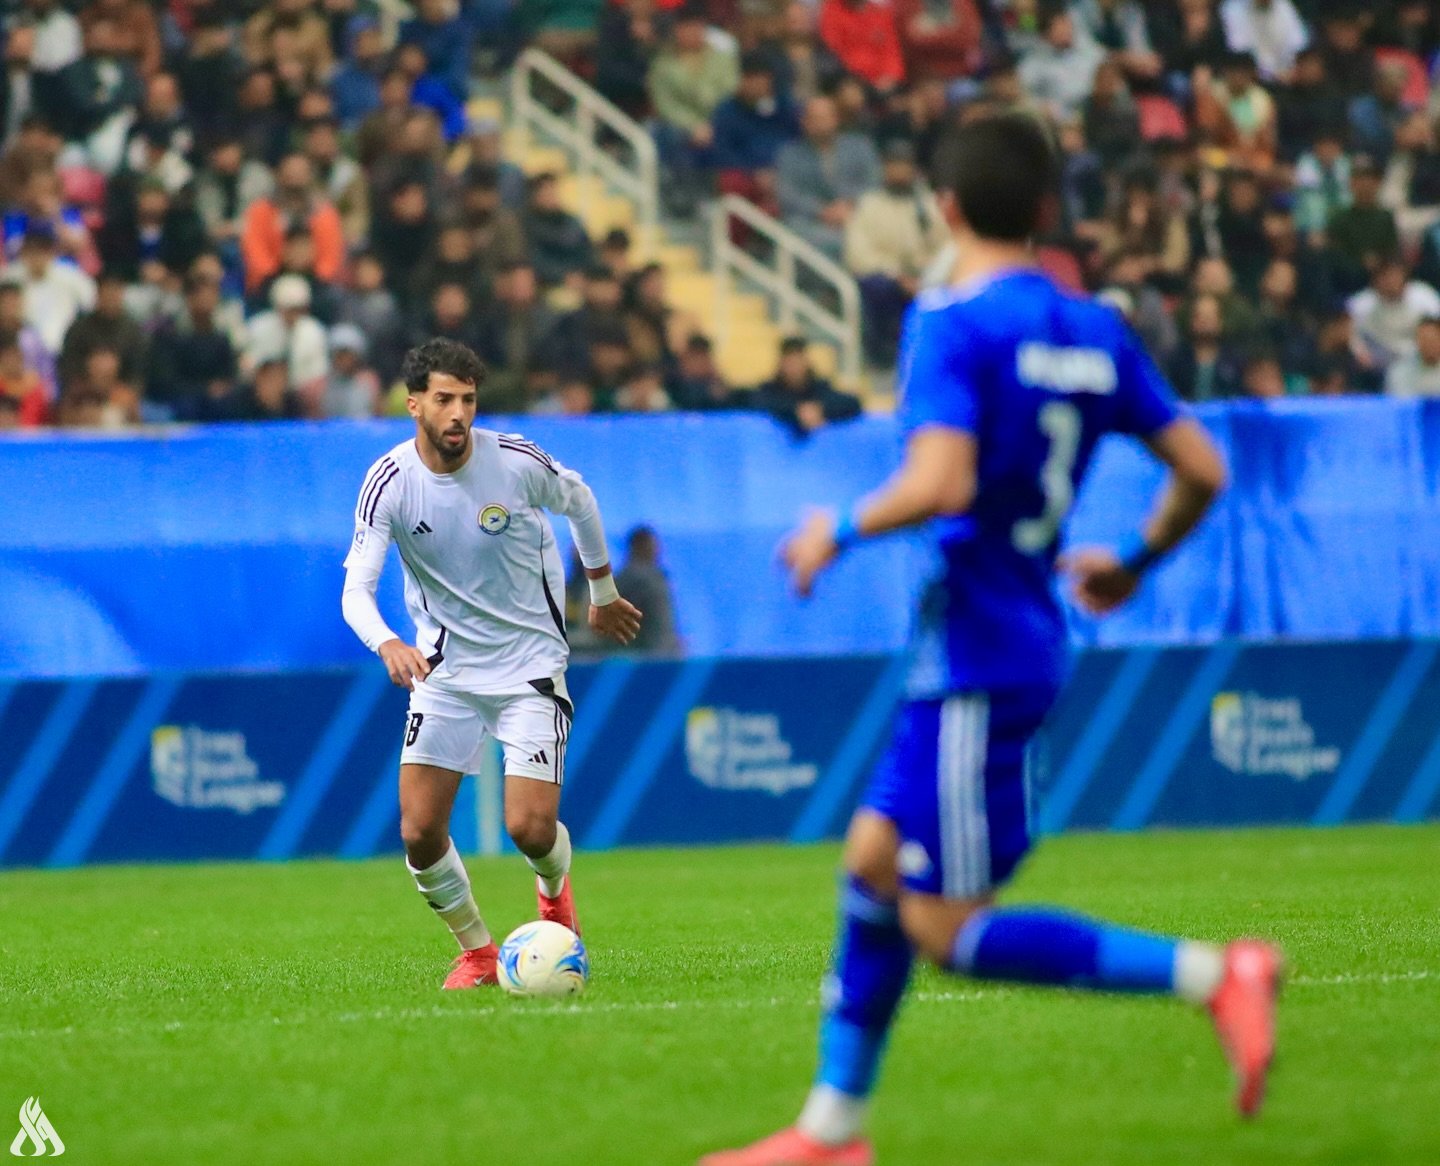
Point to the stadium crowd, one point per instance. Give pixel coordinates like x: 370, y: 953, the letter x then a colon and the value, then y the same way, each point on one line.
x: 215, y: 209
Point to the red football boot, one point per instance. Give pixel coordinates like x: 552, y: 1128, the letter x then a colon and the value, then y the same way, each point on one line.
x: 1243, y: 1009
x: 792, y: 1148
x: 560, y: 909
x: 474, y: 968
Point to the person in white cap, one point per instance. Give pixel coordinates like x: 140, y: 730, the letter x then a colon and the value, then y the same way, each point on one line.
x: 352, y: 389
x: 290, y: 328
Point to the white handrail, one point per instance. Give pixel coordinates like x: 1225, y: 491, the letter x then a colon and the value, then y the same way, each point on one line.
x: 791, y: 253
x: 576, y: 134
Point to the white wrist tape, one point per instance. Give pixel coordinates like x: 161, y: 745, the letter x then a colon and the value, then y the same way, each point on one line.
x: 603, y: 590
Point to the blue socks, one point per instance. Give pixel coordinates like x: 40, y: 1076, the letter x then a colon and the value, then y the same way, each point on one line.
x: 863, y: 990
x: 1036, y: 946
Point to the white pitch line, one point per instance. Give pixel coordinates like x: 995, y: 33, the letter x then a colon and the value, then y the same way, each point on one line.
x: 580, y: 1009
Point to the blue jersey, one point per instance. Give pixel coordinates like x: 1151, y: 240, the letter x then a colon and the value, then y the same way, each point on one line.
x: 1038, y: 376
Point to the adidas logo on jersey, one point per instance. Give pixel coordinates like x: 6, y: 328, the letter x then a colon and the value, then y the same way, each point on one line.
x: 423, y: 528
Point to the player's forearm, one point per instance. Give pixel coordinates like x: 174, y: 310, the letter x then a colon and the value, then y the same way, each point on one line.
x: 586, y: 527
x: 357, y: 604
x: 937, y: 477
x: 1197, y: 475
x: 1181, y: 506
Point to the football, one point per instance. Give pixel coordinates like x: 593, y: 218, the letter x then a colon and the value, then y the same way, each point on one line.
x: 543, y: 959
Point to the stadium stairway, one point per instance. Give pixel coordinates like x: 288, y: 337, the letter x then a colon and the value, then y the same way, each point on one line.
x: 748, y: 353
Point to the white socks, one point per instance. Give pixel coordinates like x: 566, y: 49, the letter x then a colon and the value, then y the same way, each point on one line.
x: 446, y: 888
x: 1199, y: 968
x: 553, y: 868
x: 830, y: 1117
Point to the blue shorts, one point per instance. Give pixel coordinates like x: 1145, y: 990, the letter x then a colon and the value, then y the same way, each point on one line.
x: 955, y: 783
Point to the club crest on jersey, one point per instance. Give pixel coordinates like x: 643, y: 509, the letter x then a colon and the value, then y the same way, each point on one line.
x: 494, y: 519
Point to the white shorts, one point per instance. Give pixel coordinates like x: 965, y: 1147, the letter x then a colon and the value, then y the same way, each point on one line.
x: 448, y: 729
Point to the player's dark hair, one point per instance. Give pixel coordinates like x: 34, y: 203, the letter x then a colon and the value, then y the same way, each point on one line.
x: 447, y: 357
x: 1001, y: 169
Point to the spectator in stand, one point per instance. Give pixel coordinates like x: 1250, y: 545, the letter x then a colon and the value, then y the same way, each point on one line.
x: 1377, y: 115
x: 614, y: 253
x: 295, y: 202
x: 289, y: 330
x: 402, y: 233
x: 1339, y: 354
x: 1059, y: 71
x: 1241, y: 230
x: 161, y: 231
x: 56, y: 41
x: 1119, y: 27
x: 415, y: 152
x: 139, y: 34
x: 210, y: 71
x: 893, y: 234
x: 1322, y: 180
x: 571, y: 396
x: 105, y: 326
x: 1189, y: 36
x: 32, y: 345
x: 163, y: 123
x: 608, y: 367
x: 804, y: 67
x: 864, y: 36
x: 941, y: 38
x: 688, y: 79
x: 453, y: 260
x: 1311, y: 105
x: 1143, y: 227
x: 371, y: 306
x: 303, y: 43
x: 100, y: 376
x: 483, y: 145
x: 1348, y: 59
x: 1238, y: 114
x: 351, y: 389
x: 629, y: 38
x: 450, y: 313
x: 382, y: 125
x: 1411, y: 187
x: 1387, y: 313
x: 225, y: 187
x: 339, y: 179
x: 559, y: 247
x: 96, y: 97
x: 697, y: 384
x: 602, y: 309
x: 1110, y: 117
x: 918, y: 115
x: 1285, y: 326
x: 1262, y: 378
x: 515, y: 330
x: 1416, y: 374
x: 355, y: 87
x: 267, y: 395
x: 496, y: 235
x: 748, y: 131
x: 35, y: 148
x: 1270, y: 30
x: 431, y: 93
x: 1363, y: 232
x: 41, y: 202
x: 642, y: 580
x: 55, y: 292
x: 298, y: 258
x: 798, y: 397
x: 1204, y: 367
x: 446, y: 39
x: 1212, y: 277
x: 644, y: 391
x: 820, y: 178
x: 151, y: 157
x: 656, y: 330
x: 192, y: 359
x: 1143, y: 304
x: 23, y: 397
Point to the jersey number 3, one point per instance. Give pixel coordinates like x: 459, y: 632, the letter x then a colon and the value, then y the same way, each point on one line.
x: 1060, y: 422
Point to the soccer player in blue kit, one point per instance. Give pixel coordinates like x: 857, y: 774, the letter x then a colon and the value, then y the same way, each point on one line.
x: 1007, y: 383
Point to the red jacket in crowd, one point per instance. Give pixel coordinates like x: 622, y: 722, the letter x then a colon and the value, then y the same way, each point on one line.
x: 863, y: 35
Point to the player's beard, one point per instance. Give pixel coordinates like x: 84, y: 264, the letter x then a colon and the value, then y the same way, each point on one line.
x: 446, y: 448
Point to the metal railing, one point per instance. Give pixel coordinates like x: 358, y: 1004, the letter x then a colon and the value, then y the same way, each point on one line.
x: 780, y: 280
x: 576, y: 133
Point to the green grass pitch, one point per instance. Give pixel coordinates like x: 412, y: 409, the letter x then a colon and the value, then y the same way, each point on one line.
x: 292, y: 1014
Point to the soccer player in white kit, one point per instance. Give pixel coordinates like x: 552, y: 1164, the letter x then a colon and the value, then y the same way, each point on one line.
x: 483, y: 583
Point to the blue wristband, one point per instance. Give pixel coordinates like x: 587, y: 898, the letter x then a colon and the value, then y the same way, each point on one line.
x: 1136, y: 555
x: 847, y: 534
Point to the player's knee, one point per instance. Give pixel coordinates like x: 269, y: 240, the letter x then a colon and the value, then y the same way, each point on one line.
x: 532, y: 830
x: 425, y: 841
x: 870, y: 849
x: 931, y: 925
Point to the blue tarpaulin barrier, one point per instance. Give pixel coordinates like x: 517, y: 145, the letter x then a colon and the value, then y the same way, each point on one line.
x: 219, y: 548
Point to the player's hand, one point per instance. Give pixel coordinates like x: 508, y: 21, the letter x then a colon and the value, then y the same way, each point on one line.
x: 405, y: 664
x: 809, y: 550
x: 1098, y: 582
x: 618, y: 621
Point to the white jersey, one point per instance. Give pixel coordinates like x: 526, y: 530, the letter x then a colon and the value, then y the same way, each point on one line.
x: 483, y: 578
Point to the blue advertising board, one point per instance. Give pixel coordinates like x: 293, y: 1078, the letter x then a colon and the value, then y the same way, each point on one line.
x: 273, y: 766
